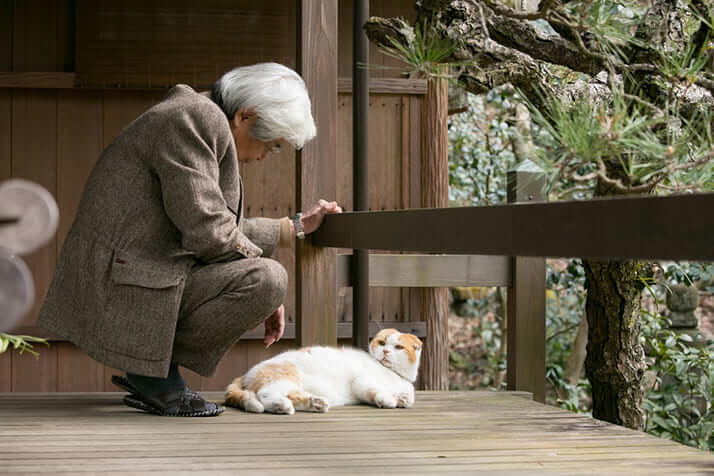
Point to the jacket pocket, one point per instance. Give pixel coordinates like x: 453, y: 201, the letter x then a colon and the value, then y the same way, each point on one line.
x: 142, y: 307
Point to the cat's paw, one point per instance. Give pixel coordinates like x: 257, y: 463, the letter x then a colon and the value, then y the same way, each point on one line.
x: 405, y: 400
x: 253, y: 406
x: 319, y: 404
x: 282, y: 406
x: 385, y: 400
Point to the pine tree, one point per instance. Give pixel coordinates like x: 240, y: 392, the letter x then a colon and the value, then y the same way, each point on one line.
x: 623, y: 90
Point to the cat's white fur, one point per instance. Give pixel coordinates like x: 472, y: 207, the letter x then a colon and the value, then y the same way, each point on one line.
x: 316, y: 378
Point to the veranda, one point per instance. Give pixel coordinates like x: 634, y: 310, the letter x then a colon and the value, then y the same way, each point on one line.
x: 78, y: 71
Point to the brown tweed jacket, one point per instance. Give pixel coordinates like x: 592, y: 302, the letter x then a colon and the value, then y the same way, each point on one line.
x: 164, y: 195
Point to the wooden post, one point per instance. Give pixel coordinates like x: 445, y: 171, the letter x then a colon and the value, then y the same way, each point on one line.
x: 526, y: 297
x: 434, y: 302
x: 316, y: 293
x: 360, y: 112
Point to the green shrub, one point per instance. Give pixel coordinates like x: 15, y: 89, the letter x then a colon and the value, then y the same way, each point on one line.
x: 680, y: 407
x: 20, y: 343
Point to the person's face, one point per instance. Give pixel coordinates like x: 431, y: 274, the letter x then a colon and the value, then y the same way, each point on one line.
x: 248, y: 147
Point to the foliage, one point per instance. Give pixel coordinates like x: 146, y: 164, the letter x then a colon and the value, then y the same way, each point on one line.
x: 479, y: 150
x: 690, y: 273
x: 427, y: 55
x: 565, y: 307
x: 20, y: 343
x: 680, y: 407
x: 587, y: 139
x: 489, y: 330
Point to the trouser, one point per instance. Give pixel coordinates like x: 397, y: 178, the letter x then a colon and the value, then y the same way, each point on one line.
x: 220, y: 303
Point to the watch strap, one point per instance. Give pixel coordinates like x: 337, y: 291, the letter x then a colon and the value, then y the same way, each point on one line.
x: 299, y: 231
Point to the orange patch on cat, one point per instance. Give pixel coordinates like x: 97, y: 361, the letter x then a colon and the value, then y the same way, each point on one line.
x: 299, y: 399
x: 411, y: 345
x: 235, y: 395
x: 273, y: 372
x: 371, y: 395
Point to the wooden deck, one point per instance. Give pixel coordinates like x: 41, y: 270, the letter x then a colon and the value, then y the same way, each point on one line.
x: 455, y: 432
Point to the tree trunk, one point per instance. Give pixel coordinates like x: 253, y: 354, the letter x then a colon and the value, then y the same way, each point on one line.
x: 576, y: 359
x: 615, y: 362
x: 434, y: 302
x: 501, y: 315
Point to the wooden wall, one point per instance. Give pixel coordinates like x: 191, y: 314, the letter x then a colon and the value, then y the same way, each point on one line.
x: 54, y: 136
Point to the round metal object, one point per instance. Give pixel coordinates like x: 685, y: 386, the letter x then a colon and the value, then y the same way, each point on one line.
x: 28, y: 216
x: 17, y: 291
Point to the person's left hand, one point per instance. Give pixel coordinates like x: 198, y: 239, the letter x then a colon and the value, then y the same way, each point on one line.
x: 312, y: 219
x: 274, y: 326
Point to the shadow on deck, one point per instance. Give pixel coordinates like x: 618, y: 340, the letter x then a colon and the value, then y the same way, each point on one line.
x: 454, y: 432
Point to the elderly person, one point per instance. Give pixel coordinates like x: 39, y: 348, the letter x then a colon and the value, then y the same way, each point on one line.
x: 160, y: 267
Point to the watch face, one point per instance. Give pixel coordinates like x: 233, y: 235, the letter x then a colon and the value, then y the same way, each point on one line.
x: 298, y: 225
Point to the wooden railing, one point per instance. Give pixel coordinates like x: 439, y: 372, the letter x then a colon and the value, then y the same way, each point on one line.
x: 506, y: 245
x: 674, y: 227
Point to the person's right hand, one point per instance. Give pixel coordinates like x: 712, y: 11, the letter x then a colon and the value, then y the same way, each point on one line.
x: 274, y: 326
x: 312, y: 219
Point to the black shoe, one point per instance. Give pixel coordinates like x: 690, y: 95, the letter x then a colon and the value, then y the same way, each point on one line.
x: 185, y: 403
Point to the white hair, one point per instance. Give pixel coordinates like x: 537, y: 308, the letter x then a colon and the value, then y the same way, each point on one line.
x: 278, y: 96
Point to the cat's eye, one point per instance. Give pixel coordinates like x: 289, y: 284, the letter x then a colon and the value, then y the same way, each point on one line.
x: 399, y: 347
x: 380, y: 342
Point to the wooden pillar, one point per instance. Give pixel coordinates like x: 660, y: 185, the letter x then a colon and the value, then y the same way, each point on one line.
x: 316, y: 292
x: 526, y: 297
x: 434, y: 302
x: 360, y: 176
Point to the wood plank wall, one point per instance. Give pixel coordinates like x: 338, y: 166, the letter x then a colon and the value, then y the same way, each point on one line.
x: 54, y: 137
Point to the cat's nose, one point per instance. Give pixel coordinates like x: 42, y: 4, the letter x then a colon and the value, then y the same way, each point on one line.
x: 386, y: 351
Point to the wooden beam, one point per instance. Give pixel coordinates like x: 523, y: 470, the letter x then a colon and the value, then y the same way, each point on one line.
x: 386, y: 86
x: 525, y: 310
x: 58, y: 80
x: 344, y: 331
x: 434, y: 302
x: 526, y: 327
x: 674, y: 227
x: 40, y: 80
x: 428, y: 271
x: 316, y: 292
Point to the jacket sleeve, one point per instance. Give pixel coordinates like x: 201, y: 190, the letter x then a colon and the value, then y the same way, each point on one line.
x: 264, y: 232
x: 186, y: 160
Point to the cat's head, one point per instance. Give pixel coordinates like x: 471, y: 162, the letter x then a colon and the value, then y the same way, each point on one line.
x: 398, y: 352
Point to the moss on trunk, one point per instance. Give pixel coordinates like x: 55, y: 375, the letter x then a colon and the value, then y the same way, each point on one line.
x: 615, y: 361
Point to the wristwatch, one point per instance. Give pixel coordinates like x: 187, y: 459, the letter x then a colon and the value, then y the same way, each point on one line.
x: 299, y: 232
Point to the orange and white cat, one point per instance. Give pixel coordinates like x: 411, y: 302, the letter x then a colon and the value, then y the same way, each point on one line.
x: 315, y: 378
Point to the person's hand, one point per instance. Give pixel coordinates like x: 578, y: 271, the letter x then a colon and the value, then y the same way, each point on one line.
x: 312, y: 219
x: 274, y: 326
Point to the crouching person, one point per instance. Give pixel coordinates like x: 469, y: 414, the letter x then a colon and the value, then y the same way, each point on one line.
x: 160, y: 268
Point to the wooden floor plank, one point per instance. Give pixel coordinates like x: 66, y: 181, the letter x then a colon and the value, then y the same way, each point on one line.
x: 445, y: 432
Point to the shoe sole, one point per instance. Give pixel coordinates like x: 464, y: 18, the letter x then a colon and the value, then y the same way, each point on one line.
x: 135, y: 401
x: 143, y: 406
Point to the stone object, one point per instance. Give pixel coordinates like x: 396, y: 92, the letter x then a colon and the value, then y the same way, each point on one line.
x: 682, y: 301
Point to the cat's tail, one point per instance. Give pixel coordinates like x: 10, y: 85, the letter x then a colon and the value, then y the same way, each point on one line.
x: 237, y: 396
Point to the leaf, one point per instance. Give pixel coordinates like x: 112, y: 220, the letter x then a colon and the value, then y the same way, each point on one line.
x: 685, y: 337
x: 661, y: 422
